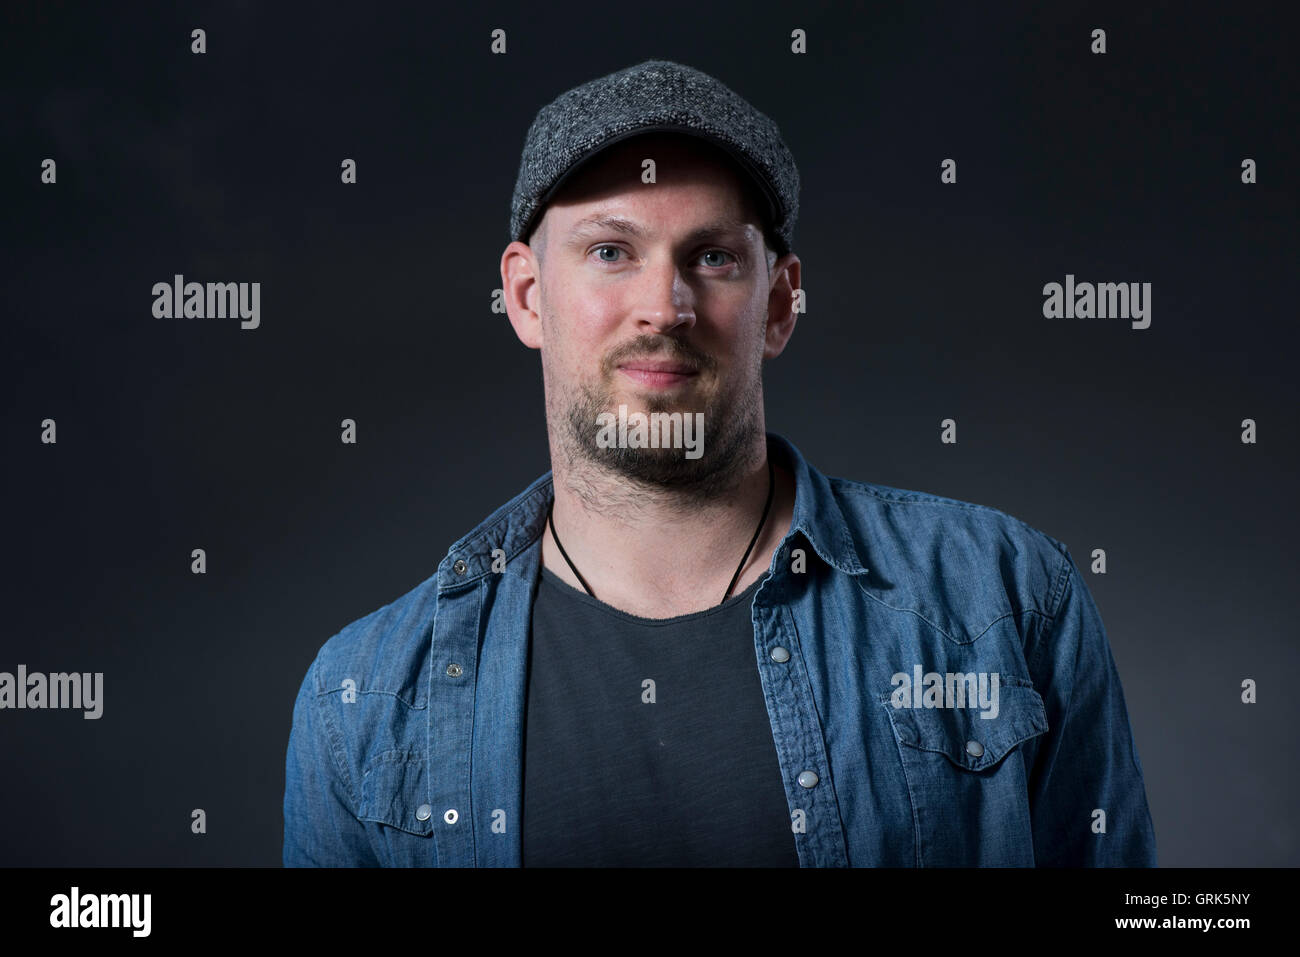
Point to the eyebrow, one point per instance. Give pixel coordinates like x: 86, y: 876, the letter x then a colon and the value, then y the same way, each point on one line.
x: 718, y: 228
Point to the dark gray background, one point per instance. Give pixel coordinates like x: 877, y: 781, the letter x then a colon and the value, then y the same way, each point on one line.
x: 924, y: 302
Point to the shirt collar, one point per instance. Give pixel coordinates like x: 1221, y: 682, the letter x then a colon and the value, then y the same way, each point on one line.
x: 817, y: 512
x: 515, y: 528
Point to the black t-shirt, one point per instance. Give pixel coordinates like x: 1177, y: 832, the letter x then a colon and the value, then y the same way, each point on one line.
x: 647, y: 741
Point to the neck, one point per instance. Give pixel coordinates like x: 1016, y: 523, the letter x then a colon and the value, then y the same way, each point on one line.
x: 657, y: 552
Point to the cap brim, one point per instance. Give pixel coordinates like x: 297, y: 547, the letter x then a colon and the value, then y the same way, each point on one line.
x: 764, y: 190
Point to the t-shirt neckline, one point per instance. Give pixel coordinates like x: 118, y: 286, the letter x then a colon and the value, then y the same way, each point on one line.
x: 577, y: 594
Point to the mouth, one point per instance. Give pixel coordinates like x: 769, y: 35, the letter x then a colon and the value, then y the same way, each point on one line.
x: 657, y: 375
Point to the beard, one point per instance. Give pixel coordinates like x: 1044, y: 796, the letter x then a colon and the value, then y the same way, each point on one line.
x: 731, y: 419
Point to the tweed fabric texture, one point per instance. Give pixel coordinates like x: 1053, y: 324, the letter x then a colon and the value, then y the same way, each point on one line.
x: 654, y: 95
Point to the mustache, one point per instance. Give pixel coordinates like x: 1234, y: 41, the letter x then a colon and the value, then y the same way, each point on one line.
x: 659, y: 347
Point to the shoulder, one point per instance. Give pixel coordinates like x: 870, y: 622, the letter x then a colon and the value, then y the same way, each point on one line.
x: 383, y: 651
x: 915, y: 512
x: 931, y: 549
x: 387, y: 650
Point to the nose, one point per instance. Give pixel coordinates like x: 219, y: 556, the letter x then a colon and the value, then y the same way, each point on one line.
x: 665, y: 301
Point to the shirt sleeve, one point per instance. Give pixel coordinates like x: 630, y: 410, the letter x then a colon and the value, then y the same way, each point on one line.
x: 320, y: 829
x: 1086, y: 775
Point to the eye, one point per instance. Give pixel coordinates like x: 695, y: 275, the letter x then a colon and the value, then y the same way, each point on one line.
x: 717, y: 252
x: 615, y: 250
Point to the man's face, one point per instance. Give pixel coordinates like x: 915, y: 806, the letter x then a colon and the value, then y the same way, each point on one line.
x: 655, y: 296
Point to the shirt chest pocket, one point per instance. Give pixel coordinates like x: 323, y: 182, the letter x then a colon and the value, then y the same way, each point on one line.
x: 966, y: 775
x: 394, y: 799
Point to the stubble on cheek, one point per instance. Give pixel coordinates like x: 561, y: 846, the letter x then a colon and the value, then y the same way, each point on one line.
x: 578, y: 390
x: 729, y: 422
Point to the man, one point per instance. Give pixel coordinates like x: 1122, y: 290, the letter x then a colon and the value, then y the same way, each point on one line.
x: 701, y: 650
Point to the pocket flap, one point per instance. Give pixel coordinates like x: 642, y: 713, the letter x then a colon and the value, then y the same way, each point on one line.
x: 393, y: 792
x: 966, y: 738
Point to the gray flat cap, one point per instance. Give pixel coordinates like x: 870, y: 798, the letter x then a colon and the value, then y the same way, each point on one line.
x: 654, y: 95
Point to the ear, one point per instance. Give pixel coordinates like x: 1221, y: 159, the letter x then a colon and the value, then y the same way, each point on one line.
x: 781, y: 315
x: 521, y: 286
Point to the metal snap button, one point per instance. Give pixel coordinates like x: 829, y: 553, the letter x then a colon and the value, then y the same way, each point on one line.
x: 807, y: 778
x: 422, y: 812
x: 780, y: 655
x: 450, y: 815
x: 459, y: 567
x: 454, y: 670
x: 974, y: 748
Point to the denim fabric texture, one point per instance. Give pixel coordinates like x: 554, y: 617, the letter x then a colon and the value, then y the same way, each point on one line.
x: 407, y: 736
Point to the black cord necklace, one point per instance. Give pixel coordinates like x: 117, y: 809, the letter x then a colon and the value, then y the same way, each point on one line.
x: 771, y: 486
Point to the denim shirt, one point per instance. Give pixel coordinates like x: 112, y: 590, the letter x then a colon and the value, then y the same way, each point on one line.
x: 407, y: 741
